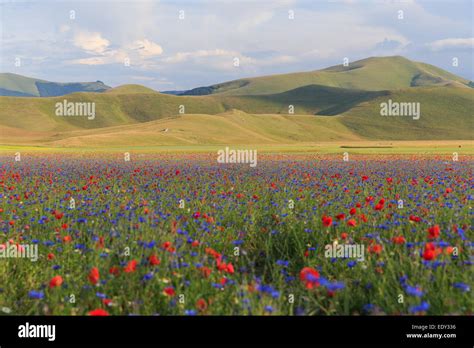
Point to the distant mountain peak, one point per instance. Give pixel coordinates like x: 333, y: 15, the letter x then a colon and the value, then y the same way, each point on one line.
x: 371, y: 74
x: 21, y: 86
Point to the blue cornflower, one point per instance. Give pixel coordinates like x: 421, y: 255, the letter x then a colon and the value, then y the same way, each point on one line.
x: 422, y: 307
x: 462, y: 286
x: 100, y: 295
x: 413, y: 291
x: 369, y: 307
x: 335, y: 286
x: 38, y: 295
x: 269, y: 309
x: 283, y: 263
x: 147, y: 276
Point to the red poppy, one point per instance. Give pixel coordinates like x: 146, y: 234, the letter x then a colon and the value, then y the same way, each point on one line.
x: 375, y: 249
x: 399, y: 240
x: 430, y: 251
x: 50, y: 256
x: 94, y: 275
x: 327, y: 221
x: 428, y: 255
x: 205, y: 271
x: 55, y: 281
x: 153, y: 260
x: 378, y: 206
x: 310, y: 277
x: 131, y: 266
x: 99, y: 313
x: 114, y: 270
x: 353, y: 211
x: 430, y: 246
x: 230, y: 268
x: 201, y: 305
x: 433, y: 232
x: 340, y: 216
x: 352, y: 223
x: 169, y: 291
x: 415, y: 218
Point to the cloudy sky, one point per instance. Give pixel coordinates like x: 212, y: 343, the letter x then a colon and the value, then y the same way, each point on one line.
x: 170, y: 45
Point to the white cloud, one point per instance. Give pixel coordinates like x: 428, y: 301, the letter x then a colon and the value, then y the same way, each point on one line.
x: 452, y: 43
x: 147, y: 48
x: 92, y: 42
x: 108, y: 57
x: 186, y: 56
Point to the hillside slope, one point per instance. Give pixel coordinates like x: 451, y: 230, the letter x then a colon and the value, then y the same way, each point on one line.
x: 371, y: 74
x: 446, y: 114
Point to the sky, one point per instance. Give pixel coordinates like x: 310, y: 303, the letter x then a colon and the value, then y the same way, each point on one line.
x: 177, y: 45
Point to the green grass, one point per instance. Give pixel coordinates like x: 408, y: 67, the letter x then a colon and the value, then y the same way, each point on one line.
x: 445, y: 113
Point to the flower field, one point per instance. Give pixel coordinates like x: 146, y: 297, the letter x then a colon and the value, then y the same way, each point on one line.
x: 180, y: 234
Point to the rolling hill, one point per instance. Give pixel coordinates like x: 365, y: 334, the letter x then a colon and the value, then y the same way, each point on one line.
x: 21, y: 86
x: 344, y: 105
x: 371, y: 74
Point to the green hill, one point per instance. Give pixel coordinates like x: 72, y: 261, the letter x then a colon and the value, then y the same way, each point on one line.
x: 21, y: 86
x: 371, y: 74
x: 131, y: 89
x: 445, y: 113
x: 312, y: 99
x: 345, y: 104
x: 112, y: 109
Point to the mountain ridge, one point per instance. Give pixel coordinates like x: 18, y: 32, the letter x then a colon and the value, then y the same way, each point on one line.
x: 366, y: 74
x: 22, y: 86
